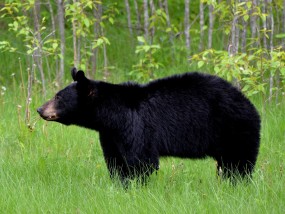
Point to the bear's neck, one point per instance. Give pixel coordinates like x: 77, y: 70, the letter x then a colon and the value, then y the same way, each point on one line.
x: 113, y: 104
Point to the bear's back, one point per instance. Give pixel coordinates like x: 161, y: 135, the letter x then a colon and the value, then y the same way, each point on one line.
x: 200, y: 85
x: 193, y: 80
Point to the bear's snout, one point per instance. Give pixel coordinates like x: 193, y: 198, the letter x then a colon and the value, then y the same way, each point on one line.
x: 48, y: 112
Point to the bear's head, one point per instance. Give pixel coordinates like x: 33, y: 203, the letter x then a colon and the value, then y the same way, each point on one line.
x: 69, y: 106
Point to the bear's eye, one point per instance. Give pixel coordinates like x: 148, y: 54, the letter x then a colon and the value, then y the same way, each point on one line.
x: 57, y: 97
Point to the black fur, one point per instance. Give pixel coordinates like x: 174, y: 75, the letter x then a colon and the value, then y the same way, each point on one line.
x: 192, y: 115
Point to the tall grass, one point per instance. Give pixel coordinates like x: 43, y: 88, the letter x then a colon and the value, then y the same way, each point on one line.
x: 52, y: 168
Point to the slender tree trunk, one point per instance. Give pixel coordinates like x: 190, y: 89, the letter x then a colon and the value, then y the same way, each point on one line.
x: 146, y: 19
x: 54, y: 36
x: 165, y: 7
x: 78, y: 49
x: 29, y: 95
x: 234, y: 42
x: 38, y: 52
x: 75, y: 47
x: 237, y: 35
x: 264, y: 22
x: 270, y: 27
x: 232, y: 46
x: 244, y: 30
x: 152, y: 32
x: 211, y: 25
x: 129, y: 16
x: 138, y: 16
x: 60, y: 13
x: 283, y: 23
x: 52, y: 17
x: 202, y: 23
x: 96, y: 30
x: 171, y: 36
x: 254, y: 27
x: 106, y: 72
x: 187, y: 26
x: 160, y: 4
x: 275, y: 7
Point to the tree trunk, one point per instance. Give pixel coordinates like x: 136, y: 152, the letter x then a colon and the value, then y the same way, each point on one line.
x: 74, y: 36
x: 106, y: 70
x: 96, y: 30
x: 187, y: 26
x: 253, y: 19
x: 211, y: 25
x: 152, y: 32
x: 129, y: 16
x: 146, y: 19
x: 38, y: 52
x: 270, y: 27
x: 237, y: 33
x: 60, y: 13
x: 165, y: 7
x: 202, y: 23
x: 160, y: 4
x: 54, y: 35
x: 171, y: 36
x: 264, y: 23
x: 138, y: 16
x: 106, y: 73
x: 253, y: 24
x: 244, y: 29
x: 78, y: 49
x: 232, y: 45
x: 234, y: 42
x: 283, y: 44
x: 283, y: 23
x: 29, y: 95
x: 51, y: 16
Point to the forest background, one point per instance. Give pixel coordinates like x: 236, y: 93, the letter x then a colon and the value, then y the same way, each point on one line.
x: 242, y: 41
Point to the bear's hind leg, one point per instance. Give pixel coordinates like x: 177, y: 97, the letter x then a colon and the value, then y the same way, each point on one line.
x: 234, y: 168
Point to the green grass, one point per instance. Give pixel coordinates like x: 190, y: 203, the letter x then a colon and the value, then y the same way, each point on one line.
x: 59, y: 169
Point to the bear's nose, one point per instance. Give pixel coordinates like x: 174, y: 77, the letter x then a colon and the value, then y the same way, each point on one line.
x: 40, y: 110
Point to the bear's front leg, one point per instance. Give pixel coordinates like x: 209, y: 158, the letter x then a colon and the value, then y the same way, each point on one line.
x: 116, y: 167
x: 127, y: 157
x: 126, y: 168
x: 113, y: 158
x: 140, y: 166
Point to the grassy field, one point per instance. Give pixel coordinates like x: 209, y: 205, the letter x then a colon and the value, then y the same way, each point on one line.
x: 52, y: 168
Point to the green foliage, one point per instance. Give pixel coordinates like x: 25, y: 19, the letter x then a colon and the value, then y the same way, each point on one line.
x: 20, y: 25
x: 78, y: 12
x: 158, y: 20
x: 100, y: 42
x: 250, y: 70
x: 81, y: 15
x: 110, y: 14
x: 165, y: 48
x: 148, y: 63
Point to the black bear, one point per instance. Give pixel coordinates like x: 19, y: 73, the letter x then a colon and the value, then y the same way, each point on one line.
x: 192, y: 115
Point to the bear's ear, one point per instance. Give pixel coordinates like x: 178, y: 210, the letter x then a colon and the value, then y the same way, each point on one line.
x: 73, y: 73
x: 78, y: 76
